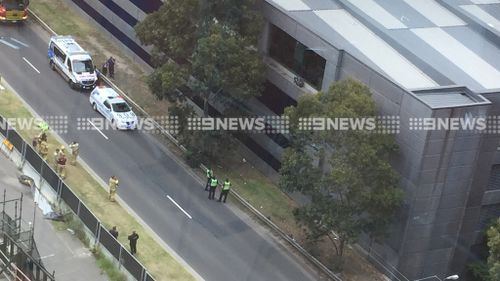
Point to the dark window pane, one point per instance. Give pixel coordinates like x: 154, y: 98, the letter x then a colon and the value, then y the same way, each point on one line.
x: 494, y: 181
x: 275, y: 99
x: 301, y: 60
x: 282, y: 47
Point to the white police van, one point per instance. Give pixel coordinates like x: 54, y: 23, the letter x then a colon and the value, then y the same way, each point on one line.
x: 72, y: 61
x: 113, y: 107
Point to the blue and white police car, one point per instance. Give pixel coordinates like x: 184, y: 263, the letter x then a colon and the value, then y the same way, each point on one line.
x: 113, y: 107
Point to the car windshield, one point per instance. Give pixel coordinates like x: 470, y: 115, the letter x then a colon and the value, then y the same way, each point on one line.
x: 121, y: 107
x: 83, y: 66
x: 13, y: 4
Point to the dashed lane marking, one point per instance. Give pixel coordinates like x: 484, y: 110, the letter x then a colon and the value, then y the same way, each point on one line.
x: 32, y: 66
x: 186, y: 213
x: 9, y: 44
x: 19, y: 42
x: 98, y: 130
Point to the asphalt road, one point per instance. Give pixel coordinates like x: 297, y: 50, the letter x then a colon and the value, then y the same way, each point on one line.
x: 216, y: 242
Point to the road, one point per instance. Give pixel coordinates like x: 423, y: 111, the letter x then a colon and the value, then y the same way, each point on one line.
x: 216, y: 242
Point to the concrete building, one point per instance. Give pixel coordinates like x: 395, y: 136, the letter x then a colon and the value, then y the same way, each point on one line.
x: 421, y: 59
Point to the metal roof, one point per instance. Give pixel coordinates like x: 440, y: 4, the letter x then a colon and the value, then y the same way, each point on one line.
x: 416, y: 43
x: 68, y: 44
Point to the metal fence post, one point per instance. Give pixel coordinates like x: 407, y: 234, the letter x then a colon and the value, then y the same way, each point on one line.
x: 120, y: 258
x: 98, y: 234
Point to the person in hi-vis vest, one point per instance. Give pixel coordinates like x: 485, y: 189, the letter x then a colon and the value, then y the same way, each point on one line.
x: 213, y: 185
x: 226, y: 186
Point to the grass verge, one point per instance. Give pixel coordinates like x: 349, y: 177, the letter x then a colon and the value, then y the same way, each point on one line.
x: 158, y: 262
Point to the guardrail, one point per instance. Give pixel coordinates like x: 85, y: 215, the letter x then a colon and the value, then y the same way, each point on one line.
x: 63, y: 192
x: 238, y: 197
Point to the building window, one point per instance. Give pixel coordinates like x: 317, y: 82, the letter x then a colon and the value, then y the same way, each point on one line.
x: 494, y: 180
x: 488, y: 215
x: 275, y: 99
x: 297, y: 57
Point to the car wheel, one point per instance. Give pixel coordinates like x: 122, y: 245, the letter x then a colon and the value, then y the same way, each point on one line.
x: 52, y: 65
x: 71, y: 84
x: 94, y: 106
x: 113, y: 124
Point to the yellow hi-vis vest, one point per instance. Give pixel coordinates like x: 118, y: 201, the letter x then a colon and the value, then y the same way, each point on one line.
x: 213, y: 182
x: 209, y: 173
x: 227, y: 185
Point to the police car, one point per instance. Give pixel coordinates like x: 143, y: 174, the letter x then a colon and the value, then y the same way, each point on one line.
x: 113, y: 107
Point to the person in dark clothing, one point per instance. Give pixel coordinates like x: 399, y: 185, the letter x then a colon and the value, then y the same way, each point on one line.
x: 105, y: 68
x: 133, y: 242
x: 114, y: 232
x: 111, y: 67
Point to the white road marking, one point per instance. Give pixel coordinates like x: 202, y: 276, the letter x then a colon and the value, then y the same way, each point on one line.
x: 47, y: 256
x: 98, y: 130
x: 29, y: 63
x: 188, y: 215
x: 19, y: 42
x: 1, y: 88
x: 9, y: 44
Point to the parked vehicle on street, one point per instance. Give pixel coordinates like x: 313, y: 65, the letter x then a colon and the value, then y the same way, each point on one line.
x: 13, y: 10
x: 72, y: 62
x: 113, y: 107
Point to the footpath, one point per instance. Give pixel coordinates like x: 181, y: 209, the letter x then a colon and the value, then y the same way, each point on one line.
x: 60, y: 251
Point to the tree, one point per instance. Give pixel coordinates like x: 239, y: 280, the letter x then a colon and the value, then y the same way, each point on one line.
x: 493, y: 234
x: 357, y: 190
x: 171, y: 30
x: 212, y: 44
x: 225, y: 65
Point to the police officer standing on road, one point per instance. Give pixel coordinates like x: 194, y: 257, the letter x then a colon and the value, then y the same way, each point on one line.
x: 113, y: 186
x: 133, y: 242
x: 226, y: 186
x: 213, y: 185
x: 75, y: 149
x: 210, y: 174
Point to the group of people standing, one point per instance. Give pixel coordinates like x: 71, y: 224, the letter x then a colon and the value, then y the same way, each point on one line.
x: 132, y: 238
x: 40, y: 143
x: 109, y: 66
x: 211, y: 186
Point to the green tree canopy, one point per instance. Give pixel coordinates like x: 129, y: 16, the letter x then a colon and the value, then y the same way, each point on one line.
x: 356, y: 190
x: 493, y: 234
x: 171, y: 30
x: 213, y: 48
